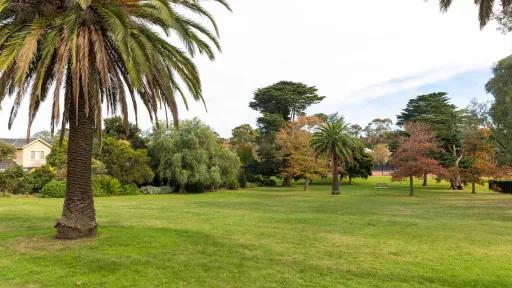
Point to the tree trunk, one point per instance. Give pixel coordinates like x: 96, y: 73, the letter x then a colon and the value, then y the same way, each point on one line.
x: 350, y: 180
x: 473, y: 183
x: 411, y: 187
x: 382, y: 169
x: 78, y: 216
x: 335, y: 175
x: 425, y: 180
x: 287, y: 181
x: 306, y: 184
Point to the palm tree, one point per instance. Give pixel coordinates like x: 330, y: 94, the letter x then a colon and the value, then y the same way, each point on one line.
x: 96, y: 53
x: 485, y: 8
x: 334, y: 138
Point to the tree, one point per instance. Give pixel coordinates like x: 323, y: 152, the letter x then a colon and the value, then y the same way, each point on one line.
x: 44, y: 135
x: 285, y: 98
x: 301, y: 159
x: 192, y: 158
x: 117, y: 129
x: 333, y: 138
x: 485, y: 7
x: 377, y: 131
x: 479, y: 153
x: 244, y: 142
x: 128, y: 165
x: 381, y: 155
x: 97, y: 52
x: 6, y: 151
x: 361, y: 165
x: 412, y: 158
x: 445, y: 119
x: 500, y: 86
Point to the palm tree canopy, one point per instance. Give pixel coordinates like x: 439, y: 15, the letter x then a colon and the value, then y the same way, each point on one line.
x: 334, y: 136
x: 103, y: 52
x: 485, y: 8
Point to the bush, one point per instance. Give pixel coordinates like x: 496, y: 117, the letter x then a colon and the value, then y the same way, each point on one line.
x: 130, y: 189
x: 152, y: 190
x: 54, y: 189
x: 105, y: 185
x: 39, y: 177
x: 13, y: 181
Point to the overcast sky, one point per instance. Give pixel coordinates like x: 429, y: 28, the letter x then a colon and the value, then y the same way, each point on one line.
x: 368, y: 57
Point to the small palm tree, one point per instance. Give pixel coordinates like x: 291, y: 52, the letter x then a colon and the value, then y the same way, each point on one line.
x: 94, y: 53
x: 334, y: 138
x: 485, y: 8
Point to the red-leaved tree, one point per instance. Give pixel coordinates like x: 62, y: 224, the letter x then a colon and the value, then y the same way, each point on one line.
x: 413, y: 157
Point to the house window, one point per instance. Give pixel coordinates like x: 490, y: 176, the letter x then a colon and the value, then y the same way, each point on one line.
x: 36, y: 155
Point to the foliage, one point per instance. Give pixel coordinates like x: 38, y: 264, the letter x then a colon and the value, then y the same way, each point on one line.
x: 286, y: 99
x: 129, y: 189
x: 361, y: 165
x: 377, y: 131
x: 301, y: 159
x: 7, y: 151
x: 334, y: 139
x: 485, y: 7
x: 191, y: 157
x: 446, y: 120
x: 58, y: 157
x: 54, y: 189
x: 500, y: 86
x: 13, y: 180
x: 413, y: 157
x: 105, y: 185
x: 39, y: 177
x: 117, y: 128
x: 98, y: 168
x: 125, y: 163
x: 152, y: 190
x: 44, y: 135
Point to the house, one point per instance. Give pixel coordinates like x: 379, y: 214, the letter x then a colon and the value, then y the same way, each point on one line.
x: 30, y: 154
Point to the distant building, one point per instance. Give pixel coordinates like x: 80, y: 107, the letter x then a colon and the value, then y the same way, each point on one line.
x: 30, y: 154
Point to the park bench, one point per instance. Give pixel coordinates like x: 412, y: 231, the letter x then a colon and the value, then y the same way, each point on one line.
x: 381, y: 186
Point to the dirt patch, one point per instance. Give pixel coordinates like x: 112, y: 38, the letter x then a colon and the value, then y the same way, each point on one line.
x: 43, y: 244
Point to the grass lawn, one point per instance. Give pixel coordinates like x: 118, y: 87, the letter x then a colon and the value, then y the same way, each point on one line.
x: 268, y: 237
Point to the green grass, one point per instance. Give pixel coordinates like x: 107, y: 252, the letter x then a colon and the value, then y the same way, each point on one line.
x: 268, y: 237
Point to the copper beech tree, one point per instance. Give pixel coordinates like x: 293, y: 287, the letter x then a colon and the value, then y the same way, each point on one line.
x: 301, y: 159
x: 412, y: 159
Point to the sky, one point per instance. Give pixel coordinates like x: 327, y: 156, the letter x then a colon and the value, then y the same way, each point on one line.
x: 367, y: 57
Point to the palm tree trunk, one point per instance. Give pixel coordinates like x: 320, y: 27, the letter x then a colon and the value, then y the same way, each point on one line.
x: 411, y: 185
x: 335, y: 175
x: 78, y: 216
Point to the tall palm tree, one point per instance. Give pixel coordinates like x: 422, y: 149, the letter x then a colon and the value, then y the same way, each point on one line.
x: 334, y: 138
x: 90, y: 53
x: 485, y: 8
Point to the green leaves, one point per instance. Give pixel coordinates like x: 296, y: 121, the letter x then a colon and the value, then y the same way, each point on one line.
x: 100, y: 50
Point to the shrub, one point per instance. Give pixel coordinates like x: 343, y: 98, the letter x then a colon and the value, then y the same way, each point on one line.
x: 152, y: 190
x: 130, y: 189
x: 54, y: 189
x: 39, y: 177
x: 105, y: 185
x: 13, y: 181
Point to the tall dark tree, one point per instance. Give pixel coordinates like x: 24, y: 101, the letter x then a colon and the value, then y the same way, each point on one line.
x: 500, y: 86
x: 445, y: 119
x: 98, y: 53
x: 285, y: 98
x: 117, y: 129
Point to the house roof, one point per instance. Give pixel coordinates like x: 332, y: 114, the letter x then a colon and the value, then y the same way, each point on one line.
x: 19, y: 143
